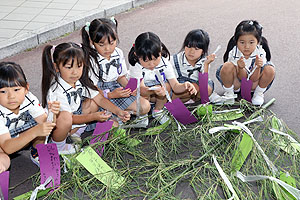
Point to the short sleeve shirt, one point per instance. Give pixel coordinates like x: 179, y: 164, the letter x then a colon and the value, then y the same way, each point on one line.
x: 164, y: 67
x: 235, y: 54
x: 61, y: 90
x: 111, y: 69
x: 30, y: 104
x: 186, y: 69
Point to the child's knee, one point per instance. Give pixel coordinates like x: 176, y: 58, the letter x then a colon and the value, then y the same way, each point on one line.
x: 145, y: 106
x: 64, y: 120
x: 269, y: 71
x: 228, y: 68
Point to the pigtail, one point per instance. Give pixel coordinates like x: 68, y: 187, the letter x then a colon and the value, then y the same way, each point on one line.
x: 48, y: 73
x: 230, y: 45
x: 165, y: 52
x: 265, y: 46
x: 132, y: 58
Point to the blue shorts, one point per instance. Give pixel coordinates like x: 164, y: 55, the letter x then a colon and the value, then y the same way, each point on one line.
x: 262, y: 68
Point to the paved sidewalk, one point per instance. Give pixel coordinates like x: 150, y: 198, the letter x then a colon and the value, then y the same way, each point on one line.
x: 25, y: 24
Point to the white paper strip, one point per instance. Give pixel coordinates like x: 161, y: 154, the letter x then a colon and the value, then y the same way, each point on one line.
x: 138, y: 97
x: 163, y: 84
x: 293, y: 191
x: 226, y: 180
x: 41, y: 187
x: 269, y: 163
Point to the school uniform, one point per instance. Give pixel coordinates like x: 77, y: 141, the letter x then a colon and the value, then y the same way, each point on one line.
x: 70, y: 98
x: 185, y: 71
x: 15, y: 124
x: 150, y: 79
x: 110, y: 71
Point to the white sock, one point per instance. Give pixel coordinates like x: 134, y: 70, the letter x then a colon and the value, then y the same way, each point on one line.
x: 230, y: 89
x: 259, y: 89
x: 60, y: 145
x: 79, y: 131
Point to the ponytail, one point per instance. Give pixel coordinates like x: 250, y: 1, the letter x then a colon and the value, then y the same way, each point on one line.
x: 165, y: 52
x: 48, y: 73
x: 230, y: 45
x: 132, y: 58
x: 265, y: 46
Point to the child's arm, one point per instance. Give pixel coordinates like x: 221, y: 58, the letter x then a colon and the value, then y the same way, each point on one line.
x: 182, y: 87
x: 209, y: 59
x: 259, y: 63
x: 11, y: 145
x: 4, y: 161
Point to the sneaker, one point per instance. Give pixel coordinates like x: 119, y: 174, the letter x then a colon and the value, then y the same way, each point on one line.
x: 34, y: 156
x: 68, y: 149
x: 215, y: 98
x: 258, y: 98
x: 160, y: 116
x: 191, y: 101
x: 229, y: 97
x: 140, y: 122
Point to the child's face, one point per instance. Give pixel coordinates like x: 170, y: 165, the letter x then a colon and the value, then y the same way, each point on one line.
x: 193, y: 54
x: 106, y: 48
x: 247, y: 44
x: 70, y: 73
x: 12, y: 97
x: 150, y: 64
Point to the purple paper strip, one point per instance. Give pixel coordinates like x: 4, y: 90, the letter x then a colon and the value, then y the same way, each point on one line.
x: 246, y: 86
x: 101, y: 127
x: 49, y: 163
x: 4, y: 182
x: 203, y: 87
x: 132, y: 84
x: 180, y: 112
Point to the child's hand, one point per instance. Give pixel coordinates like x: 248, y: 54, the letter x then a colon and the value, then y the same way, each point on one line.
x: 210, y: 58
x: 102, y: 116
x: 54, y: 107
x: 134, y: 92
x: 190, y: 87
x: 160, y: 91
x: 241, y: 64
x: 123, y: 115
x: 120, y: 93
x: 44, y: 129
x: 259, y: 61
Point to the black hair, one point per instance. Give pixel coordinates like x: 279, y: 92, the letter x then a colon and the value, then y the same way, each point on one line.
x: 94, y: 32
x: 145, y: 46
x: 248, y: 27
x: 12, y: 75
x: 197, y: 39
x: 62, y: 54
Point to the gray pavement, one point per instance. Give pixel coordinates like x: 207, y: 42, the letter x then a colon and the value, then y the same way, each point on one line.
x: 172, y: 20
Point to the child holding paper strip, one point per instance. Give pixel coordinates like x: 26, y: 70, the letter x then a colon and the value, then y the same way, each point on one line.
x: 65, y: 78
x: 22, y: 118
x: 149, y: 56
x: 192, y: 60
x: 107, y: 66
x: 247, y: 54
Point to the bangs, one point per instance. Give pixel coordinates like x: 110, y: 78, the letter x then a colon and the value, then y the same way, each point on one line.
x: 11, y: 76
x: 196, y: 41
x: 71, y: 54
x: 148, y: 50
x: 104, y: 32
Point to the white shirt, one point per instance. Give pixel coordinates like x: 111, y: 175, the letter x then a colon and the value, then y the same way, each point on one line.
x: 149, y: 75
x: 113, y: 73
x: 235, y: 54
x: 60, y: 89
x: 30, y: 104
x: 184, y: 66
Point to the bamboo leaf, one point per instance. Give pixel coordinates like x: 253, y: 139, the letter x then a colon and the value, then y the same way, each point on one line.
x: 241, y: 153
x: 158, y: 129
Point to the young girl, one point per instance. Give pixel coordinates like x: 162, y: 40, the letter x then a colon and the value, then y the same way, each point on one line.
x: 148, y: 55
x: 22, y: 119
x: 108, y: 69
x: 65, y: 78
x: 192, y: 60
x: 247, y: 52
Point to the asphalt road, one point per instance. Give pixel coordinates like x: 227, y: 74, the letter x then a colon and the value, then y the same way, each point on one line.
x: 172, y: 20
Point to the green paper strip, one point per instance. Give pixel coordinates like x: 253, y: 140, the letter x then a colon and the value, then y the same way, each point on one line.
x: 96, y: 166
x: 241, y: 153
x: 27, y: 195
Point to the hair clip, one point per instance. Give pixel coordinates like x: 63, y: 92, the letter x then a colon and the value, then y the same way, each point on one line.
x: 53, y: 48
x: 133, y: 45
x: 113, y: 20
x: 87, y: 26
x: 80, y: 45
x: 251, y: 22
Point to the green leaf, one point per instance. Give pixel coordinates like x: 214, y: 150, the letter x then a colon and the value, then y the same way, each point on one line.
x: 158, y: 129
x: 236, y: 129
x: 228, y: 116
x: 241, y: 153
x: 131, y: 142
x: 204, y: 109
x: 27, y: 195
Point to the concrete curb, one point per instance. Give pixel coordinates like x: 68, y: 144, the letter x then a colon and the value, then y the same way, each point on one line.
x: 32, y: 39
